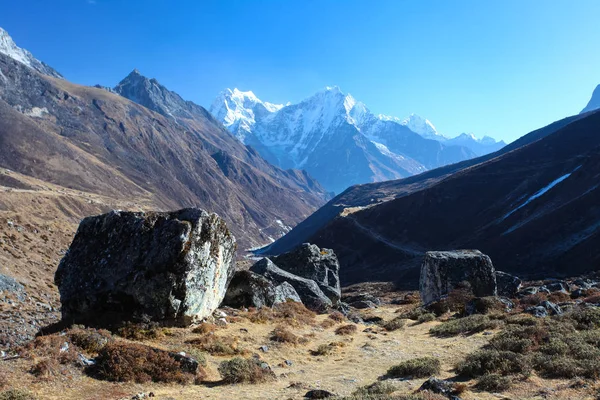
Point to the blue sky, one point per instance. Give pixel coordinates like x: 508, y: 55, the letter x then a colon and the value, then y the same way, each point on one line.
x: 501, y: 68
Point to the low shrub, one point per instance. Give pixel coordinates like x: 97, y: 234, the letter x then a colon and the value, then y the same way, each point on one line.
x: 88, y: 339
x: 467, y: 325
x: 16, y: 394
x: 205, y: 328
x: 417, y: 368
x: 241, y: 370
x: 128, y: 362
x: 533, y: 299
x: 488, y: 361
x: 217, y: 345
x: 346, y: 330
x: 328, y: 323
x: 140, y: 331
x: 377, y: 388
x: 337, y: 316
x: 559, y: 297
x: 45, y: 368
x: 395, y: 324
x: 283, y: 335
x: 414, y: 314
x: 323, y: 350
x: 493, y: 383
x: 427, y: 317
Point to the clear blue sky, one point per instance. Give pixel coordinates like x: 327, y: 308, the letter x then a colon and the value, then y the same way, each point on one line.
x: 501, y: 68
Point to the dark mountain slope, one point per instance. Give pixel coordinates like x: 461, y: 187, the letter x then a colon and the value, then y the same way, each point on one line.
x: 97, y: 141
x: 535, y: 210
x: 376, y: 193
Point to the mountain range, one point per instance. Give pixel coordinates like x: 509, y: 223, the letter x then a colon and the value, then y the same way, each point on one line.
x: 339, y: 141
x: 532, y: 206
x: 144, y: 143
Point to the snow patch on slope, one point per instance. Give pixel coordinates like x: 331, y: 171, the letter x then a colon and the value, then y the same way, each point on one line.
x: 541, y: 192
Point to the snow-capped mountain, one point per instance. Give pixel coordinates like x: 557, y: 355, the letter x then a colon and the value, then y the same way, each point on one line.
x: 333, y: 137
x: 594, y: 102
x: 422, y: 126
x: 9, y: 48
x: 478, y: 146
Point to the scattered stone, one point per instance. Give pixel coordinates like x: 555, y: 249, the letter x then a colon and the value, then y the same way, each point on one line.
x: 527, y: 291
x: 310, y: 262
x: 441, y: 271
x: 155, y: 266
x: 508, y: 285
x: 264, y: 348
x: 537, y: 311
x: 438, y: 386
x: 289, y: 363
x: 10, y: 285
x: 86, y: 362
x: 249, y: 289
x: 362, y: 304
x: 318, y: 394
x: 552, y: 308
x: 310, y: 293
x: 558, y: 287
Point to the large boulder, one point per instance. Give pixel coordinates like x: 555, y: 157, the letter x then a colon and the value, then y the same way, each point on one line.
x: 248, y: 289
x: 441, y: 271
x: 310, y: 262
x: 309, y: 291
x: 508, y: 285
x: 172, y: 267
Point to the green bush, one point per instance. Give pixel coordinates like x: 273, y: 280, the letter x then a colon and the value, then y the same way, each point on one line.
x: 486, y: 361
x: 241, y: 370
x: 417, y: 368
x: 428, y: 317
x: 395, y: 324
x: 467, y: 325
x: 16, y: 394
x: 493, y: 383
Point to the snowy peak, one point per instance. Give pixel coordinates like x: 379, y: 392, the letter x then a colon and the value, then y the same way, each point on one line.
x: 594, y: 102
x: 238, y: 110
x: 9, y: 48
x: 421, y: 126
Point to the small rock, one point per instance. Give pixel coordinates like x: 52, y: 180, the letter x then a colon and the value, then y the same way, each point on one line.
x: 537, y: 311
x: 264, y: 348
x: 243, y: 330
x: 362, y: 304
x: 86, y: 362
x: 289, y: 363
x: 527, y: 291
x: 438, y: 386
x: 318, y: 394
x: 64, y: 347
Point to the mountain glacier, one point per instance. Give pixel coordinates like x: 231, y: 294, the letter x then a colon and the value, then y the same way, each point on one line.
x: 9, y: 48
x: 336, y: 138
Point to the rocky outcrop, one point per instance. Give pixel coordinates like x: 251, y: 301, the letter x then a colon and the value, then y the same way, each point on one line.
x: 310, y: 262
x: 248, y: 289
x: 309, y: 291
x: 441, y: 271
x: 508, y: 285
x: 157, y: 266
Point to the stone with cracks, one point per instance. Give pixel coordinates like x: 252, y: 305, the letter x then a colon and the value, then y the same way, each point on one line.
x: 172, y: 267
x: 310, y: 262
x: 508, y: 285
x: 248, y: 289
x: 309, y: 291
x: 441, y: 271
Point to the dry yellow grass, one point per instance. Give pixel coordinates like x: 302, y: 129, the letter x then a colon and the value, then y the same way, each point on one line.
x: 364, y: 357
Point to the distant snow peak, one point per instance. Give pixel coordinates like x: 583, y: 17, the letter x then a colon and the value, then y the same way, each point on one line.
x: 420, y: 125
x: 10, y: 48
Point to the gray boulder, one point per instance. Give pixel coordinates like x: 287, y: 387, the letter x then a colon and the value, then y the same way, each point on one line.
x: 10, y: 285
x: 310, y: 262
x: 441, y: 271
x: 310, y: 293
x: 508, y: 285
x: 248, y: 289
x: 157, y: 266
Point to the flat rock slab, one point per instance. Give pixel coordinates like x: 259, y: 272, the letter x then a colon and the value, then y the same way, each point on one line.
x: 441, y: 271
x: 154, y: 266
